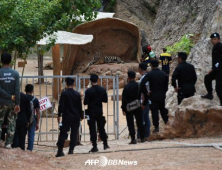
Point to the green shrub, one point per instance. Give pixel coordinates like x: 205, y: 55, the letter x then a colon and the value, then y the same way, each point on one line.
x: 184, y: 45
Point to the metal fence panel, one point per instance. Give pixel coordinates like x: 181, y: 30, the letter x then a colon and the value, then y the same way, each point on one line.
x: 43, y: 87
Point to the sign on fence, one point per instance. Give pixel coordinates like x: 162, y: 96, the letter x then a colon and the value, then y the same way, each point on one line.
x: 45, y: 104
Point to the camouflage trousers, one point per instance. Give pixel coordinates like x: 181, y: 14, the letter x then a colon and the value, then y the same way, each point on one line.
x: 8, y: 112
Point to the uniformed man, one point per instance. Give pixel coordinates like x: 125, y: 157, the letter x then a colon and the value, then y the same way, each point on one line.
x: 131, y: 93
x: 70, y: 108
x: 9, y: 97
x: 165, y: 59
x: 158, y: 86
x: 148, y: 55
x: 94, y: 97
x: 186, y: 75
x: 216, y: 72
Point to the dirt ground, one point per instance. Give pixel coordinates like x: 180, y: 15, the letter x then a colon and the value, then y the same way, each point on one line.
x: 150, y: 155
x: 158, y: 155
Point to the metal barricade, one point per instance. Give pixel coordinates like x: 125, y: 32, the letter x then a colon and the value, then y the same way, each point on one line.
x: 44, y: 86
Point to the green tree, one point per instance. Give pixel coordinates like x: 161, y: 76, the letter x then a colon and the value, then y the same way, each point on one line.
x: 24, y: 22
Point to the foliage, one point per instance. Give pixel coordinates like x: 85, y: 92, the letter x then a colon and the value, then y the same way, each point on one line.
x: 110, y: 6
x: 185, y: 44
x: 24, y: 22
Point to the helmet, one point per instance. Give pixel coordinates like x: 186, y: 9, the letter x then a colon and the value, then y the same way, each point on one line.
x: 149, y: 48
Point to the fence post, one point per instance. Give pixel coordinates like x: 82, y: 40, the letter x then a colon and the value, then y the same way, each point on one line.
x: 117, y: 104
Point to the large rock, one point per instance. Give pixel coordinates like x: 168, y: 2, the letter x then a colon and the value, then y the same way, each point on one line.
x: 112, y: 37
x: 195, y: 117
x: 111, y: 70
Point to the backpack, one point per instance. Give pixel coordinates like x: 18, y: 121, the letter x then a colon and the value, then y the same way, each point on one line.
x: 32, y: 110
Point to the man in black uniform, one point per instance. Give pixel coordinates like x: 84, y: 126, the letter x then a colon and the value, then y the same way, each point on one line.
x: 186, y: 75
x: 216, y: 72
x: 131, y: 92
x: 94, y: 97
x: 158, y: 82
x: 70, y: 108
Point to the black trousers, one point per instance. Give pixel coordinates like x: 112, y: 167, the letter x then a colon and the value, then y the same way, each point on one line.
x: 181, y: 96
x: 19, y: 137
x: 139, y: 122
x: 66, y: 125
x: 100, y: 121
x: 155, y: 107
x: 208, y: 83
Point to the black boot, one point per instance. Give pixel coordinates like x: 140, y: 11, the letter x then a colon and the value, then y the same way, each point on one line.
x: 133, y: 142
x: 142, y: 140
x: 156, y: 130
x: 70, y: 151
x: 60, y: 152
x: 208, y: 96
x: 94, y: 149
x: 106, y: 147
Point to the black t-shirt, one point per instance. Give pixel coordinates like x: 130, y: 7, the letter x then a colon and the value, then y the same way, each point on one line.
x: 70, y: 105
x: 35, y: 102
x: 25, y: 110
x: 94, y: 97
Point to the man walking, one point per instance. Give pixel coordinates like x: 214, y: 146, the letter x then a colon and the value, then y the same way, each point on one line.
x: 216, y: 72
x: 166, y: 60
x: 70, y: 108
x: 144, y: 101
x: 94, y: 97
x: 158, y: 84
x: 186, y: 75
x: 9, y: 97
x: 131, y: 96
x: 35, y: 117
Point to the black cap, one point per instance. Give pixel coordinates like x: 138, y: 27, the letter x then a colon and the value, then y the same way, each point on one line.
x: 70, y: 81
x: 215, y: 35
x: 94, y: 78
x: 131, y: 74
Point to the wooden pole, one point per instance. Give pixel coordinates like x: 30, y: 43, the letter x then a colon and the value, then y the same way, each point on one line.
x: 56, y: 70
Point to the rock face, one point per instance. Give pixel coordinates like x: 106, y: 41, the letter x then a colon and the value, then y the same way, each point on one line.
x: 195, y: 117
x: 174, y: 19
x: 112, y: 37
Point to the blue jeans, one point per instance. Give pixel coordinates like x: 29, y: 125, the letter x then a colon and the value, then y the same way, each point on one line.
x: 31, y: 135
x: 146, y: 122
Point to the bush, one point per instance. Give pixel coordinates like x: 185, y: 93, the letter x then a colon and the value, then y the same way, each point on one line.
x: 184, y: 45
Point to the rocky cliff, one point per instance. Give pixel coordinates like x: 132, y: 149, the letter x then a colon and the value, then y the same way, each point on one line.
x: 168, y: 20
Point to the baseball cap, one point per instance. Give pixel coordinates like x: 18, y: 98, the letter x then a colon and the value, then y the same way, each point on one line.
x: 215, y: 35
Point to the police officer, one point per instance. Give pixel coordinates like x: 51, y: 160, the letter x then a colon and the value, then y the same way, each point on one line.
x: 158, y: 86
x: 186, y: 75
x: 216, y: 72
x: 70, y: 108
x: 166, y: 60
x: 94, y: 97
x: 131, y: 93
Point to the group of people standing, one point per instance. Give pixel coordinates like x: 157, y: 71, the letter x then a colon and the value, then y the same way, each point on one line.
x: 150, y: 92
x: 19, y: 112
